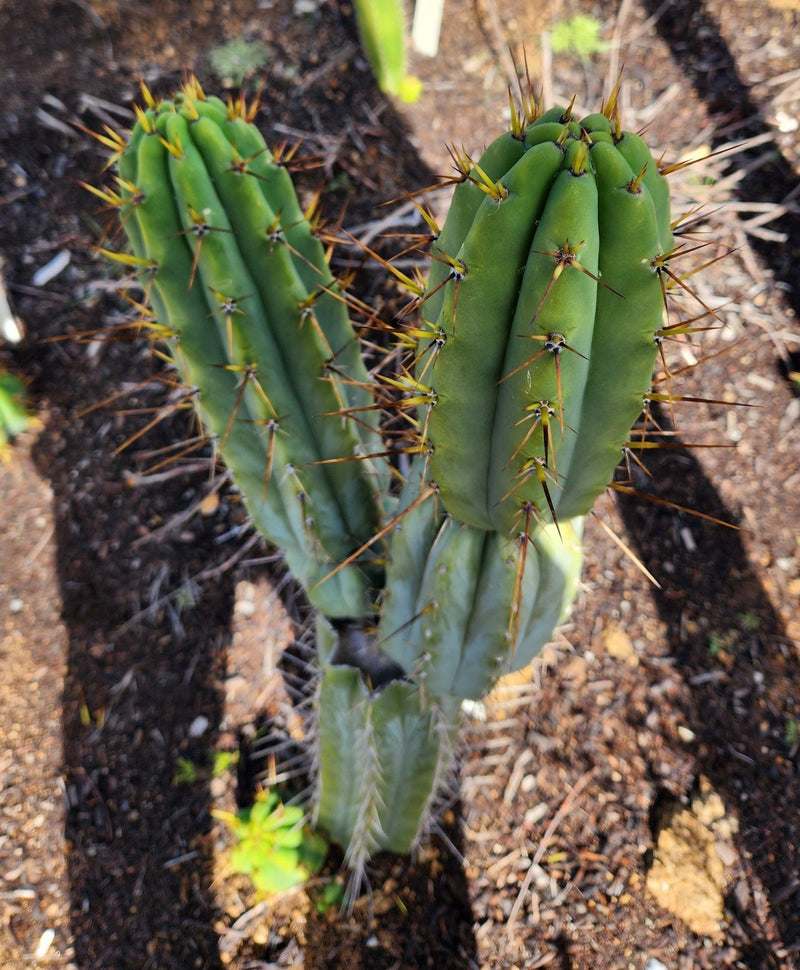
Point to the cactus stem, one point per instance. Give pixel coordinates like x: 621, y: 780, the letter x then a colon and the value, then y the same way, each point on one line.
x: 431, y: 489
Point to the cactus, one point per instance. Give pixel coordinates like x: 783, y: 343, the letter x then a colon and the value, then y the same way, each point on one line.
x: 255, y: 322
x: 462, y: 607
x: 537, y: 334
x: 546, y: 303
x: 381, y: 26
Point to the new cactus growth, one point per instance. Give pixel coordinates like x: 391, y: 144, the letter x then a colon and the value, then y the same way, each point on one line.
x: 529, y: 360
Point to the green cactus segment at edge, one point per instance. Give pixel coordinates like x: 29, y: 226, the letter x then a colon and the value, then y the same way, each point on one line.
x: 381, y: 25
x: 470, y: 365
x: 453, y: 629
x: 549, y: 323
x: 623, y: 348
x: 381, y: 755
x: 261, y: 364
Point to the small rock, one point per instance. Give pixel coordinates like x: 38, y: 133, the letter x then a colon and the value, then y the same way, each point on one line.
x: 619, y: 645
x: 198, y: 727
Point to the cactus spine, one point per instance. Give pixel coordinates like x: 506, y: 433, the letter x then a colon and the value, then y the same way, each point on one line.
x: 537, y: 337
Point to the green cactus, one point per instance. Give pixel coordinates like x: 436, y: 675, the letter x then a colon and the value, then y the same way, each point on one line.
x: 539, y: 326
x: 462, y: 607
x: 545, y: 302
x: 381, y: 26
x: 254, y: 321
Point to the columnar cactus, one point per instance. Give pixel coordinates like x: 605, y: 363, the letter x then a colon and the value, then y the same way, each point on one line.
x: 528, y: 361
x: 544, y: 304
x: 259, y: 331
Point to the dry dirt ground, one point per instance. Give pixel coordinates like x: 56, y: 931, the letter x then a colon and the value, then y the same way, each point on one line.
x: 639, y: 806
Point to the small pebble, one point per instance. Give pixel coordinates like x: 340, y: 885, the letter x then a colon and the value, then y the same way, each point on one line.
x: 15, y: 605
x: 198, y: 727
x: 51, y: 269
x: 44, y: 944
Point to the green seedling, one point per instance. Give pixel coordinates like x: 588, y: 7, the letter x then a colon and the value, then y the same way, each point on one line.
x: 14, y: 416
x: 239, y: 59
x: 580, y: 35
x: 274, y: 847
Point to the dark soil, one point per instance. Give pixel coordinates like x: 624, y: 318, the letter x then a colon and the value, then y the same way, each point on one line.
x: 660, y: 712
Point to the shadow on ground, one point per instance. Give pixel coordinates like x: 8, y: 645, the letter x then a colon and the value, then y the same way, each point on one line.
x: 740, y: 718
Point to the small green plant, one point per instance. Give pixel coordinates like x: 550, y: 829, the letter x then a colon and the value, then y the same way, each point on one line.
x: 792, y: 733
x: 189, y: 772
x: 237, y: 60
x: 328, y: 896
x: 750, y: 622
x: 275, y: 848
x: 186, y: 772
x: 723, y: 645
x: 14, y: 416
x: 580, y: 35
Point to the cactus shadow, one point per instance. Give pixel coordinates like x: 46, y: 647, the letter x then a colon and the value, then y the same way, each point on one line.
x: 738, y: 702
x: 141, y: 700
x: 702, y: 54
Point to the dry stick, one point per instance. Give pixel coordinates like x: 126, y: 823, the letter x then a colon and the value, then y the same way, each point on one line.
x: 566, y: 805
x: 616, y: 43
x: 502, y: 44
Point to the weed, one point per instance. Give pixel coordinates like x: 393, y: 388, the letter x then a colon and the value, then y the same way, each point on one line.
x: 580, y: 35
x: 274, y: 848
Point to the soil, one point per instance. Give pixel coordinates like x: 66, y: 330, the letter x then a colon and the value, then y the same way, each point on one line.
x: 632, y: 802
